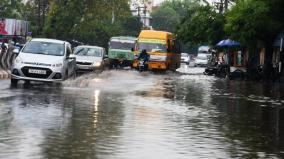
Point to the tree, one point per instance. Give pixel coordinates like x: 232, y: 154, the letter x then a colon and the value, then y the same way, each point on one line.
x: 132, y: 26
x: 201, y: 25
x: 177, y: 9
x: 162, y: 20
x: 11, y: 9
x: 256, y: 24
x: 89, y: 21
x: 249, y: 22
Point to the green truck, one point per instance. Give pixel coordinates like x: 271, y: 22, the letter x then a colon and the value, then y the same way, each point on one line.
x: 121, y: 51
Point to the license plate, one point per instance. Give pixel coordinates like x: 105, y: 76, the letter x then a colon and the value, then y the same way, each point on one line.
x: 34, y: 71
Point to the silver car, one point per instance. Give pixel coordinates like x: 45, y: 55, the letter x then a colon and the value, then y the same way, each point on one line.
x: 185, y: 58
x: 46, y: 60
x: 202, y: 59
x: 90, y: 58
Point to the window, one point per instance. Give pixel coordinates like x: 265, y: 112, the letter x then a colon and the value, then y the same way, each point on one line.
x: 46, y: 48
x: 83, y: 51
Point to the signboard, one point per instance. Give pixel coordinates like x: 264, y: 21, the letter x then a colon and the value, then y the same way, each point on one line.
x: 13, y: 27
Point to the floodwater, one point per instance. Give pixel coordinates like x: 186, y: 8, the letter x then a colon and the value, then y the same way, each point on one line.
x: 123, y: 114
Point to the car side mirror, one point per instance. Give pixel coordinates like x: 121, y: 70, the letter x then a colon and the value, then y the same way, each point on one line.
x: 16, y: 51
x: 105, y: 56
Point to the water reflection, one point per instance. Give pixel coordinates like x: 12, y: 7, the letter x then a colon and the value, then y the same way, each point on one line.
x: 96, y: 105
x: 250, y: 118
x: 123, y: 114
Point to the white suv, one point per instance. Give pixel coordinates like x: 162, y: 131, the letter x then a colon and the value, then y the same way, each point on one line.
x: 45, y: 60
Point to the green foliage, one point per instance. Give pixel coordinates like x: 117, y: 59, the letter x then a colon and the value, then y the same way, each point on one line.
x: 168, y: 16
x: 201, y: 25
x: 90, y: 21
x: 162, y: 20
x: 11, y: 9
x: 255, y: 23
x: 249, y: 22
x: 132, y: 26
x: 30, y: 14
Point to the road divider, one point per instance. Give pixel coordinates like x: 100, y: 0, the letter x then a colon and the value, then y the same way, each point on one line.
x: 6, y: 60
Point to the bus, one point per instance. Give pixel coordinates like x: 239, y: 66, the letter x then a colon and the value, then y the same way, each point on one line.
x: 121, y: 51
x: 163, y: 48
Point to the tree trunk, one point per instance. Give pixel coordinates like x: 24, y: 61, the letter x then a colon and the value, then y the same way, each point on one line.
x: 226, y: 5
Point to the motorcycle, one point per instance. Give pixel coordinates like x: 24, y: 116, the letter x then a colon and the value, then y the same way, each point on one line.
x: 142, y: 65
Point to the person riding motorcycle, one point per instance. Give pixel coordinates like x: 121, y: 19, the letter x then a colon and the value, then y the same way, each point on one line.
x: 144, y: 56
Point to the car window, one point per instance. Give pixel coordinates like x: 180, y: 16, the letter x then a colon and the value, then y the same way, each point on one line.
x: 122, y: 45
x: 81, y: 51
x: 150, y: 47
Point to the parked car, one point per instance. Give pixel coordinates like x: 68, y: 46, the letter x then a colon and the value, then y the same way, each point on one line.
x: 202, y: 60
x: 90, y: 58
x: 46, y: 60
x: 204, y: 49
x: 185, y: 58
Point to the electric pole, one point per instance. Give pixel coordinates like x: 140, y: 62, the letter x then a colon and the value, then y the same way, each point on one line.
x: 41, y: 11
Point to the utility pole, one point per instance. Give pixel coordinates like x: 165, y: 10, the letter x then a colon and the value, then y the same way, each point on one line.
x: 38, y: 17
x: 141, y: 10
x: 41, y: 11
x: 226, y: 3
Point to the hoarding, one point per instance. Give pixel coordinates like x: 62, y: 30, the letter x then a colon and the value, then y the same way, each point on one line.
x: 13, y: 27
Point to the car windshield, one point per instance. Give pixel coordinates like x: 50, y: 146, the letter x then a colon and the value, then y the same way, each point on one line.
x: 152, y: 47
x: 82, y: 51
x: 121, y: 45
x: 46, y: 48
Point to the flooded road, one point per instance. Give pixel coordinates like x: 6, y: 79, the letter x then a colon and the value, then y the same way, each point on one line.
x: 124, y: 114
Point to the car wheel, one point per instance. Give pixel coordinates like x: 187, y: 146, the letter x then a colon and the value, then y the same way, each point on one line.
x: 14, y: 82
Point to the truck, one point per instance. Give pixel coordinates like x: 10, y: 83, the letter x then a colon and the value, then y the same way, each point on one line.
x: 121, y: 51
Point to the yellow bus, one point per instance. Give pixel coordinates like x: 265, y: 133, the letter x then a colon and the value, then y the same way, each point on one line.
x: 163, y: 48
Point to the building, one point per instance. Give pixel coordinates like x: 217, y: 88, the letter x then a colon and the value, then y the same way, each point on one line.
x: 143, y: 10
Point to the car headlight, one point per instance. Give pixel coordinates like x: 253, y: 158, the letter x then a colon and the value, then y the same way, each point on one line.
x: 57, y: 65
x: 97, y: 64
